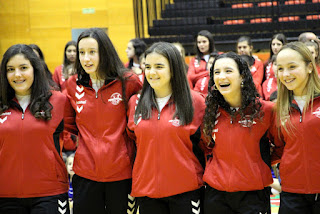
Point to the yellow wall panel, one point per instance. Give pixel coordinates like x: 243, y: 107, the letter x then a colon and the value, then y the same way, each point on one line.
x: 48, y: 6
x: 97, y: 4
x: 49, y: 20
x: 49, y: 23
x: 98, y: 19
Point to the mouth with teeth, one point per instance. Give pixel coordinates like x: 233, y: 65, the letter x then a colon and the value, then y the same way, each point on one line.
x: 289, y: 80
x: 224, y: 85
x: 19, y: 81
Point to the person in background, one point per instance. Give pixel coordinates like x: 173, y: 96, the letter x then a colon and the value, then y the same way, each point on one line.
x: 314, y: 47
x: 164, y: 121
x: 204, y: 45
x: 238, y: 172
x: 307, y: 36
x: 298, y: 105
x: 202, y: 84
x: 69, y: 164
x: 245, y: 47
x: 61, y: 73
x: 135, y: 49
x: 276, y: 43
x: 270, y: 85
x: 182, y: 51
x: 97, y: 113
x: 33, y: 176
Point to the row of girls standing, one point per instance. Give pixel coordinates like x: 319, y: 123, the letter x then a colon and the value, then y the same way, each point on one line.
x: 165, y: 122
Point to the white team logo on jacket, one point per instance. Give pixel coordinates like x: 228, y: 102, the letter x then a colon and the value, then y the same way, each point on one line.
x: 4, y: 119
x: 317, y: 113
x: 80, y: 94
x: 115, y: 98
x: 247, y: 122
x: 214, y: 131
x: 196, y: 63
x: 175, y: 122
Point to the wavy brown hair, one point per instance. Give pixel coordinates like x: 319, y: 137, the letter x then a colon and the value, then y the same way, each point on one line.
x: 250, y: 104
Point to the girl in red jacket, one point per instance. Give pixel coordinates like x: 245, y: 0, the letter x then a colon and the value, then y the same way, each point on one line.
x: 198, y: 64
x: 164, y: 121
x: 135, y: 49
x: 298, y: 115
x: 97, y: 114
x: 235, y: 124
x: 61, y: 73
x: 33, y: 176
x: 245, y: 47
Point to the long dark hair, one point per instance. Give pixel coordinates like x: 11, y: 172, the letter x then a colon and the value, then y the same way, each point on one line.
x: 110, y: 66
x: 250, y: 104
x: 180, y: 88
x: 209, y: 36
x: 40, y: 106
x: 46, y: 69
x: 279, y: 36
x: 139, y: 47
x: 66, y: 61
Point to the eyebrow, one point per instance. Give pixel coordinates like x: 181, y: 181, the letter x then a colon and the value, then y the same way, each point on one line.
x: 13, y: 66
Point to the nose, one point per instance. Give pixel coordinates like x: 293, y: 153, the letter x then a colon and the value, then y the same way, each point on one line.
x: 17, y: 73
x: 86, y: 57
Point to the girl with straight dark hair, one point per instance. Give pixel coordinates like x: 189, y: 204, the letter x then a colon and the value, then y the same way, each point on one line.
x: 33, y: 176
x: 61, y: 73
x: 204, y: 45
x: 97, y: 114
x: 165, y: 120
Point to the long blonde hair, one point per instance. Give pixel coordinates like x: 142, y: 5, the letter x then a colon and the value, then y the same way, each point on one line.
x: 285, y: 96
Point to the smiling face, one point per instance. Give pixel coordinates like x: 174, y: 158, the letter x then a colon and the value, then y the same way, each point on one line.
x: 203, y: 44
x: 89, y: 56
x: 227, y: 79
x: 158, y: 74
x: 244, y: 48
x: 276, y: 45
x: 293, y: 71
x: 20, y: 74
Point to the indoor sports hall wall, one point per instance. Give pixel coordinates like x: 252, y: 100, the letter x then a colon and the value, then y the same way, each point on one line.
x: 49, y: 24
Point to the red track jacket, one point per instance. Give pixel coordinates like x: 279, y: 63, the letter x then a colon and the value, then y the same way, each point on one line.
x: 196, y: 71
x: 99, y: 120
x: 165, y: 163
x: 300, y: 165
x: 202, y: 85
x: 31, y: 165
x: 237, y: 164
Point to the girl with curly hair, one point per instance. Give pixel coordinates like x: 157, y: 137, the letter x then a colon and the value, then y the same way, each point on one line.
x: 235, y: 127
x: 33, y: 174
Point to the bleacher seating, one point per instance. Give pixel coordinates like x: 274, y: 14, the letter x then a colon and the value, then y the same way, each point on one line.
x: 229, y: 19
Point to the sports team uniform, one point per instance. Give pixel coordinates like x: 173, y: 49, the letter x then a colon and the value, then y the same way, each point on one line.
x: 103, y: 160
x: 257, y: 74
x: 202, y: 85
x: 197, y: 69
x: 268, y: 87
x: 300, y: 165
x: 33, y: 176
x: 237, y: 174
x: 269, y: 73
x: 59, y: 78
x: 168, y: 167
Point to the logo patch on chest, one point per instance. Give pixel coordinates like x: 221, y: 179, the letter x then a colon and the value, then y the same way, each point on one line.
x: 175, y: 122
x: 317, y: 113
x: 2, y: 120
x: 115, y: 98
